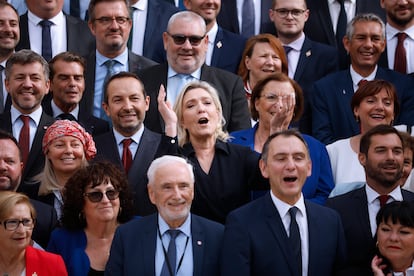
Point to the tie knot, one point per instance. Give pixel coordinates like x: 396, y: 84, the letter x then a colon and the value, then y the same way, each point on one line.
x: 66, y: 116
x: 173, y: 233
x: 110, y: 63
x: 292, y: 212
x: 1, y: 68
x: 25, y: 119
x: 126, y: 142
x: 383, y: 199
x: 45, y: 23
x: 287, y: 49
x: 341, y: 2
x: 401, y: 36
x: 362, y: 82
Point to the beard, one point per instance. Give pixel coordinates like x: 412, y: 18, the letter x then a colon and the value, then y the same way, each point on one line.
x: 385, y: 180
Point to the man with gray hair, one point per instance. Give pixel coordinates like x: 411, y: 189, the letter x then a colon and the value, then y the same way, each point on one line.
x: 186, y: 43
x: 173, y: 241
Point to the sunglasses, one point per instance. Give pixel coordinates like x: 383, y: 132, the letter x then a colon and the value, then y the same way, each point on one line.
x: 195, y: 40
x: 97, y: 196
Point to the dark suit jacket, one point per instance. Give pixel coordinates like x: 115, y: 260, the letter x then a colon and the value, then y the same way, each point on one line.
x: 46, y: 221
x: 95, y: 126
x: 79, y: 38
x: 227, y: 17
x: 319, y: 25
x: 135, y: 64
x: 316, y: 60
x: 151, y: 146
x: 255, y: 241
x: 353, y: 209
x: 36, y: 159
x: 332, y: 117
x: 228, y: 85
x: 134, y: 243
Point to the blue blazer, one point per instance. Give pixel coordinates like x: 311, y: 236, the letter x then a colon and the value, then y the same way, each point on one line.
x: 332, y: 117
x: 134, y: 243
x: 255, y: 241
x: 319, y: 185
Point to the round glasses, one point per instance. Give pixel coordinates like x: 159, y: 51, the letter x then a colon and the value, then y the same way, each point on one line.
x: 97, y: 196
x: 13, y: 224
x: 178, y: 39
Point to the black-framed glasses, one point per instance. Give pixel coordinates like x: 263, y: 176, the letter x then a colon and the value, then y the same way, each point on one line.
x: 106, y: 20
x: 97, y: 196
x: 13, y: 224
x: 195, y: 40
x: 285, y: 12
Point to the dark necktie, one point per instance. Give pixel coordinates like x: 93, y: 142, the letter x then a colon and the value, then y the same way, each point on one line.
x: 341, y: 25
x: 46, y: 39
x: 24, y: 137
x: 181, y: 5
x: 294, y: 239
x: 170, y: 263
x: 126, y: 154
x: 2, y: 103
x: 383, y: 199
x: 75, y: 8
x: 362, y: 82
x: 287, y: 49
x: 400, y: 60
x: 131, y: 33
x: 247, y: 18
x: 66, y: 116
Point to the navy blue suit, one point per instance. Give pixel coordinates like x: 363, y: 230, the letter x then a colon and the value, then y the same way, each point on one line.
x: 134, y: 243
x: 256, y: 243
x: 332, y: 117
x: 353, y: 209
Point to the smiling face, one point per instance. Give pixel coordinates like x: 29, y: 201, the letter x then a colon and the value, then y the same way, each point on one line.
x: 66, y: 154
x: 400, y: 14
x: 287, y: 166
x: 10, y: 165
x: 9, y: 29
x: 207, y: 9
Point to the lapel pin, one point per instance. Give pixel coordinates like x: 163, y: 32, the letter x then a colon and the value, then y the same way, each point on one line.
x: 343, y: 91
x: 199, y: 243
x: 34, y: 274
x: 44, y: 127
x: 308, y: 53
x: 219, y: 44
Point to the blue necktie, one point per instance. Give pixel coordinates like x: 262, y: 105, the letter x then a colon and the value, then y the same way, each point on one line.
x: 247, y: 18
x: 110, y: 70
x: 287, y: 49
x: 46, y: 39
x: 181, y: 5
x: 294, y: 239
x: 169, y: 269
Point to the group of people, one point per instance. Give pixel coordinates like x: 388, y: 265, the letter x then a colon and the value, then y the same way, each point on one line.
x: 136, y: 138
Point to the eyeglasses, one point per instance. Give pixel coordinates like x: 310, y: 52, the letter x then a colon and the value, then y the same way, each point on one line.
x: 272, y: 98
x: 285, y: 12
x: 195, y: 40
x: 106, y: 21
x: 13, y: 224
x: 97, y: 196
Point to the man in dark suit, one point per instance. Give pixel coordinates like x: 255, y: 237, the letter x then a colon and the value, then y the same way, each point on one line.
x: 322, y: 25
x: 228, y: 18
x: 68, y: 33
x: 11, y: 167
x: 27, y: 81
x: 110, y: 23
x: 332, y: 117
x: 186, y: 44
x: 125, y: 103
x: 140, y: 247
x: 308, y: 61
x: 225, y: 48
x: 281, y: 233
x: 67, y: 84
x: 381, y: 155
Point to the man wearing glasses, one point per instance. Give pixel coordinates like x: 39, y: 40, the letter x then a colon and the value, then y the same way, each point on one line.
x: 186, y: 42
x: 110, y: 24
x: 308, y: 61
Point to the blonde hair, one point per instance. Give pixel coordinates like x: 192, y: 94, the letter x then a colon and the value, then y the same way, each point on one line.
x: 10, y: 199
x: 183, y: 135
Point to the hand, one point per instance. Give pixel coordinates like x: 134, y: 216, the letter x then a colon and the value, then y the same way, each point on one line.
x: 377, y: 267
x: 282, y: 113
x: 167, y: 113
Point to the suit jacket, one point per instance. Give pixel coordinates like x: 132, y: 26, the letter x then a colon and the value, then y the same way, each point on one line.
x: 36, y: 159
x: 319, y: 25
x: 134, y: 243
x: 316, y: 60
x: 255, y: 241
x: 353, y: 209
x: 332, y: 117
x: 46, y: 221
x: 79, y: 38
x: 229, y: 87
x: 151, y: 146
x: 39, y: 262
x: 95, y: 126
x: 227, y: 17
x: 135, y: 64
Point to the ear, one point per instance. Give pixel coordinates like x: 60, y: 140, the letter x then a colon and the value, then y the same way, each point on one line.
x: 105, y: 106
x: 165, y: 40
x: 309, y: 167
x: 91, y: 27
x: 147, y: 102
x: 263, y: 168
x: 362, y: 159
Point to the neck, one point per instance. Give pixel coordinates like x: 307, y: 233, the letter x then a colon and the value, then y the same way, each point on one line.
x: 110, y: 53
x: 401, y: 264
x: 62, y: 178
x: 288, y: 39
x: 364, y: 71
x: 5, y: 54
x: 261, y: 135
x: 400, y: 27
x: 12, y: 263
x: 67, y: 108
x: 379, y: 188
x: 203, y: 143
x: 210, y: 25
x: 101, y: 230
x: 251, y: 81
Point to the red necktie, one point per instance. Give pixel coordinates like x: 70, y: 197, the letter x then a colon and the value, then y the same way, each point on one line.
x: 362, y: 82
x: 400, y: 60
x: 24, y: 137
x: 126, y: 154
x: 383, y: 199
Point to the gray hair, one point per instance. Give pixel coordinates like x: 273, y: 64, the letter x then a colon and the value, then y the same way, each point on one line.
x: 364, y: 17
x: 165, y: 161
x: 189, y: 16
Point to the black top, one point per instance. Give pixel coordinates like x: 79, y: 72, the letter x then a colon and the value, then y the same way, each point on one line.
x: 93, y: 272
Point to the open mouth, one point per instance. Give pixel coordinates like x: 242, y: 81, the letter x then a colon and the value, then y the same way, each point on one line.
x: 290, y: 179
x: 203, y: 121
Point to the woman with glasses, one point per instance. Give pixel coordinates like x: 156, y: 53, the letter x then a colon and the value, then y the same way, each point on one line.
x: 96, y: 201
x: 276, y: 102
x: 17, y: 256
x: 67, y: 147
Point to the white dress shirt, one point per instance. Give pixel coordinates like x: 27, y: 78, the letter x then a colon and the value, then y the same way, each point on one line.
x: 139, y: 21
x: 356, y: 78
x: 211, y: 38
x: 294, y: 55
x: 335, y: 8
x: 174, y: 83
x: 392, y: 40
x: 17, y: 123
x: 133, y: 147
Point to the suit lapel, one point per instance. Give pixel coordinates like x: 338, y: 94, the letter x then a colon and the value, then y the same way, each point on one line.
x: 24, y: 42
x: 153, y: 14
x: 360, y: 205
x: 347, y: 91
x: 198, y: 240
x: 87, y: 99
x: 150, y: 244
x: 326, y: 23
x: 70, y: 32
x: 305, y: 54
x: 217, y: 46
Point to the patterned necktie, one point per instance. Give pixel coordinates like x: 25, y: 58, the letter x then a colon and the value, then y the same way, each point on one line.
x: 126, y: 154
x: 24, y: 137
x: 46, y: 39
x: 170, y: 263
x: 400, y: 60
x: 248, y: 18
x: 294, y: 238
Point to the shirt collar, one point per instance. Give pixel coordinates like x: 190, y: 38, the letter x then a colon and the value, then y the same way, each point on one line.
x: 57, y: 111
x: 122, y: 58
x: 356, y: 78
x: 184, y: 228
x: 141, y: 5
x: 298, y: 43
x: 283, y: 207
x: 136, y: 137
x: 391, y: 32
x: 212, y: 33
x: 56, y: 20
x: 372, y: 195
x: 171, y: 73
x: 35, y: 115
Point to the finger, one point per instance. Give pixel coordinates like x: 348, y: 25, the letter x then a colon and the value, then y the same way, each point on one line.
x: 161, y: 93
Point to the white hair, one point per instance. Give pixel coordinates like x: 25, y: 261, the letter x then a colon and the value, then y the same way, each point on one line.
x: 167, y: 160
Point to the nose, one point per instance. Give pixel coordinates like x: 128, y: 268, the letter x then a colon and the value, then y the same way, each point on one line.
x: 290, y: 163
x: 104, y: 198
x: 27, y: 82
x: 3, y: 164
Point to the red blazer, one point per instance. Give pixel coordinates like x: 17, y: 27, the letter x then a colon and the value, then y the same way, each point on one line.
x: 41, y: 263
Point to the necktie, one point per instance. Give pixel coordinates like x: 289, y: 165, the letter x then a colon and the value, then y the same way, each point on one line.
x: 24, y: 137
x: 181, y: 5
x: 126, y: 154
x: 131, y: 33
x: 383, y: 199
x: 66, y: 116
x: 287, y: 49
x: 294, y: 239
x: 247, y: 18
x: 400, y: 60
x: 170, y: 263
x: 110, y: 70
x: 341, y: 25
x: 2, y: 103
x: 75, y: 8
x: 362, y: 82
x: 46, y: 39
